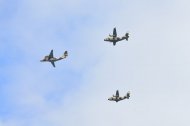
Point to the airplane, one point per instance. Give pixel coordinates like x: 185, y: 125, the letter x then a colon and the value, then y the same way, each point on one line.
x: 113, y: 38
x: 117, y: 98
x: 52, y: 59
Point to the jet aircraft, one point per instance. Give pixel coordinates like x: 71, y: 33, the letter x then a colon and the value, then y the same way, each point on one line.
x: 113, y: 38
x: 52, y: 59
x: 118, y: 98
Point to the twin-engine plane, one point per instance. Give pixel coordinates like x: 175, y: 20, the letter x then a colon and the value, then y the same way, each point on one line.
x: 113, y: 38
x: 50, y: 58
x: 118, y: 98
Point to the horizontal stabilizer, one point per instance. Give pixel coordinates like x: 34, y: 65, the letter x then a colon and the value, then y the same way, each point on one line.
x: 65, y: 55
x: 127, y: 36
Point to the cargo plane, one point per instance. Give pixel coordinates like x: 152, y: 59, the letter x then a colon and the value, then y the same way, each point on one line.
x: 114, y: 39
x: 50, y: 58
x: 118, y: 98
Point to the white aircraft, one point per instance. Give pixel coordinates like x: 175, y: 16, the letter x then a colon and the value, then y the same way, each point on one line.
x: 117, y: 98
x: 52, y: 59
x: 113, y: 38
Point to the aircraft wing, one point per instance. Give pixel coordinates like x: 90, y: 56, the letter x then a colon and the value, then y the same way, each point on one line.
x: 53, y: 64
x: 51, y: 54
x: 114, y: 32
x: 117, y: 93
x: 121, y: 98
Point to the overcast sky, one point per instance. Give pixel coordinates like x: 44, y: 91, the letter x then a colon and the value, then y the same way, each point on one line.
x: 154, y: 65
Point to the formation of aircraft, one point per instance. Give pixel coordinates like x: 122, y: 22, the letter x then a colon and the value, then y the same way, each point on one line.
x: 50, y: 58
x: 118, y: 98
x: 111, y: 38
x: 114, y: 39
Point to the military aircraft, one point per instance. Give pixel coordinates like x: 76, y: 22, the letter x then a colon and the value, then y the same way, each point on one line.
x: 52, y: 59
x: 113, y: 38
x: 117, y: 98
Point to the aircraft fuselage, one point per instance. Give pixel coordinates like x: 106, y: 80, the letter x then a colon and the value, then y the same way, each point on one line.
x: 113, y: 39
x: 47, y: 59
x: 116, y: 99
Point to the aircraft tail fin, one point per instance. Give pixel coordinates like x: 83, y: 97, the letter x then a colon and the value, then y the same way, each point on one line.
x: 127, y: 36
x: 127, y: 95
x: 64, y: 55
